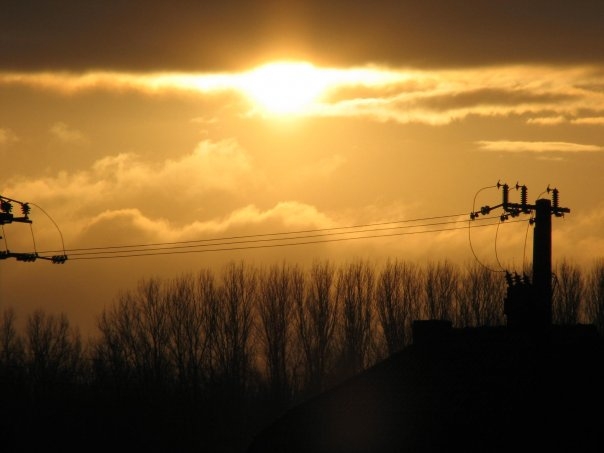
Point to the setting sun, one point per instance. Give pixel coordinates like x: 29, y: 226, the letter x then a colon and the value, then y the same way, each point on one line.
x: 284, y: 88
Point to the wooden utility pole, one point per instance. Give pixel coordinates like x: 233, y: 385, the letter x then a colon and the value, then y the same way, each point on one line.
x: 528, y: 305
x: 542, y: 262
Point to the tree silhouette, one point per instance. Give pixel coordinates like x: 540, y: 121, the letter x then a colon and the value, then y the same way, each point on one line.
x: 317, y: 315
x: 191, y: 303
x: 568, y: 293
x: 595, y: 295
x: 354, y: 289
x: 11, y: 344
x: 440, y: 286
x: 234, y: 326
x: 397, y: 295
x: 53, y: 350
x: 276, y: 312
x: 479, y: 297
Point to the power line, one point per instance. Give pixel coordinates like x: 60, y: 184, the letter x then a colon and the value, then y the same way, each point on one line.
x: 254, y: 244
x: 263, y: 238
x: 245, y: 242
x: 473, y: 218
x: 262, y: 235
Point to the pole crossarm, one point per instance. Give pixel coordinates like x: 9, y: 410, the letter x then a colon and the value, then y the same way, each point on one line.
x: 7, y: 217
x: 6, y: 214
x: 515, y: 209
x: 31, y: 257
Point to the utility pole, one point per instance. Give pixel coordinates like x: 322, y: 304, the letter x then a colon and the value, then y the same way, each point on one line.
x: 528, y: 305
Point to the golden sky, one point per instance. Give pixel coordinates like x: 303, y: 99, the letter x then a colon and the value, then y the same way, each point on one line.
x: 172, y: 122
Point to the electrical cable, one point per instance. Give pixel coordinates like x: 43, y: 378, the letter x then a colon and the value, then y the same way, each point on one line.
x: 205, y: 243
x: 170, y: 251
x: 4, y: 237
x: 33, y: 238
x: 54, y: 223
x: 528, y: 225
x: 261, y: 235
x: 496, y: 254
x: 470, y: 228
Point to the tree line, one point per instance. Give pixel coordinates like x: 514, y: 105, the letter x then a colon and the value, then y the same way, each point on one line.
x: 203, y: 359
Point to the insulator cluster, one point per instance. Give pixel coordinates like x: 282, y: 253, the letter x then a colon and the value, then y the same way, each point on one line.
x: 26, y: 257
x: 59, y: 259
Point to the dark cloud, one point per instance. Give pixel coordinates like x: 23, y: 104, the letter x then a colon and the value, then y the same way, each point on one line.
x: 490, y: 96
x: 226, y: 34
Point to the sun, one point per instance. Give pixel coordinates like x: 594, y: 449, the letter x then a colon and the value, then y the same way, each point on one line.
x: 284, y: 88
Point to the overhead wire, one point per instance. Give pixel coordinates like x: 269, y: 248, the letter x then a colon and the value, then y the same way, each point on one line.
x: 262, y: 235
x: 496, y: 254
x: 54, y: 223
x: 528, y: 225
x: 263, y: 240
x: 256, y: 245
x: 470, y: 229
x: 270, y: 237
x: 4, y: 237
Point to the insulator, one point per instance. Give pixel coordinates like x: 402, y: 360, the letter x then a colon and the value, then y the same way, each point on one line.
x: 5, y: 206
x: 505, y: 196
x: 508, y: 278
x: 523, y: 196
x: 25, y: 209
x: 555, y: 199
x: 26, y: 257
x: 485, y: 210
x: 59, y: 259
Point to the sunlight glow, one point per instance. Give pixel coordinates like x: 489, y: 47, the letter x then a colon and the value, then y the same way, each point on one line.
x: 284, y: 88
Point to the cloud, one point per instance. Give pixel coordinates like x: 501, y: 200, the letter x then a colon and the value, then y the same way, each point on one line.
x: 67, y: 134
x: 547, y: 120
x: 7, y: 136
x: 579, y: 235
x: 536, y: 147
x: 233, y: 230
x: 590, y: 121
x: 544, y: 95
x: 217, y: 36
x: 323, y: 168
x: 206, y: 182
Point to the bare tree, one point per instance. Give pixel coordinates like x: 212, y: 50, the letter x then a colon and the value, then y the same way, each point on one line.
x: 594, y: 307
x: 276, y: 309
x: 11, y: 345
x: 152, y: 331
x: 53, y: 349
x: 480, y: 297
x: 355, y: 295
x: 568, y: 293
x: 116, y: 349
x: 440, y: 286
x: 190, y: 302
x: 316, y: 321
x: 398, y: 291
x: 234, y: 325
x: 135, y: 336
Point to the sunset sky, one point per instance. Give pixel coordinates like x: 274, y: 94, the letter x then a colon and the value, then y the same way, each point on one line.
x: 158, y: 125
